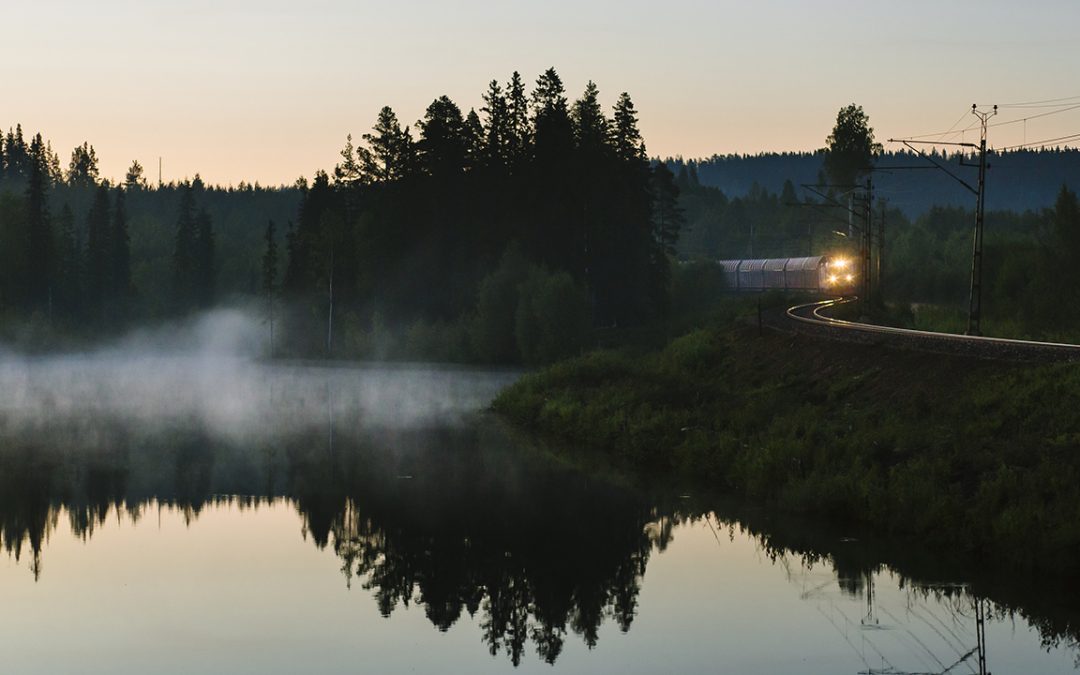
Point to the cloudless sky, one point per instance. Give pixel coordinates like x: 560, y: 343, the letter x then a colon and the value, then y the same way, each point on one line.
x: 244, y: 90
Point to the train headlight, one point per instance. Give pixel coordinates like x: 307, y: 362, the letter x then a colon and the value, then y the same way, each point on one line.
x: 849, y: 277
x: 832, y: 279
x: 841, y: 263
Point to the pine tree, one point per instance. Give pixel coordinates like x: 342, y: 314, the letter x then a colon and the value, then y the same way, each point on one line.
x: 349, y: 172
x: 442, y: 138
x: 83, y: 168
x: 135, y: 179
x: 391, y: 154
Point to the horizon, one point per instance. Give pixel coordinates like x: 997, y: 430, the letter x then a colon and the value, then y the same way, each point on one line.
x: 287, y: 85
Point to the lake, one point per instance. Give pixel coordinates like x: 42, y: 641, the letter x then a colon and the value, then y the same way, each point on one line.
x: 211, y: 513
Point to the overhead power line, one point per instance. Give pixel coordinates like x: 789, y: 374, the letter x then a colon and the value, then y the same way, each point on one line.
x: 1067, y: 108
x: 1022, y: 104
x: 1035, y: 117
x: 1040, y: 144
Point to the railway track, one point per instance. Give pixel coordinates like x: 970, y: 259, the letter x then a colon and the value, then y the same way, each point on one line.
x: 809, y: 319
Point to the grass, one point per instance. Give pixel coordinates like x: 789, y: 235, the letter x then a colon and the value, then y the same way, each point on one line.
x: 975, y: 454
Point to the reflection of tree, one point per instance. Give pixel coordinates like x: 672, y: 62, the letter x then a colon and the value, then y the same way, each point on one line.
x: 458, y: 527
x: 26, y: 515
x: 457, y: 521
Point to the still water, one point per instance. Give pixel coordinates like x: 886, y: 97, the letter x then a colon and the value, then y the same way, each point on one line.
x: 213, y: 514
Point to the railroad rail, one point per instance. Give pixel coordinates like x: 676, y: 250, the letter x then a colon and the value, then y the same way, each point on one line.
x: 808, y: 318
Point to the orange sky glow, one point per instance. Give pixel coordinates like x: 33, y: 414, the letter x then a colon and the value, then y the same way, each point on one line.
x: 267, y: 91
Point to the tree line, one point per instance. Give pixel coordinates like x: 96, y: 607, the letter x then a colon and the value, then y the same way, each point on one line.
x: 75, y: 272
x: 1019, y: 180
x: 508, y: 232
x: 528, y: 221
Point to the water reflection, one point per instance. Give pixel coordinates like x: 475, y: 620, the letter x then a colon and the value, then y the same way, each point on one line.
x: 469, y: 519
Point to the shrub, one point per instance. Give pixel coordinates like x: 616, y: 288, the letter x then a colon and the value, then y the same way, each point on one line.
x: 552, y: 320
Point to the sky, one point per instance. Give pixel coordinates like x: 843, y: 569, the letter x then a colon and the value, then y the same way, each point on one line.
x: 239, y: 90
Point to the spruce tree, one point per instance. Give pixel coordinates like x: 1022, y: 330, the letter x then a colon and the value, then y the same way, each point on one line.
x: 16, y: 155
x: 668, y: 217
x: 56, y: 174
x: 39, y: 233
x: 497, y: 125
x: 269, y: 277
x: 590, y: 125
x: 519, y: 132
x: 551, y: 119
x: 475, y: 148
x: 184, y: 252
x: 68, y: 264
x: 120, y: 258
x: 205, y: 264
x: 626, y: 137
x: 98, y: 267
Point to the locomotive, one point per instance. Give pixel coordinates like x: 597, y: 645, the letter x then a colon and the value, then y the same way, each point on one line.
x: 830, y: 275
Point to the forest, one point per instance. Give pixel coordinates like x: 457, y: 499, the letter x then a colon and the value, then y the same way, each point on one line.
x: 1019, y: 179
x: 1030, y: 285
x: 503, y: 235
x: 516, y: 233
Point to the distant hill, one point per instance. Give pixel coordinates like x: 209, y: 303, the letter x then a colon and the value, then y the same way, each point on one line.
x: 1019, y: 181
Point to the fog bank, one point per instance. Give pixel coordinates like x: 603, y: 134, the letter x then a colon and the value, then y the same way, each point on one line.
x: 207, y: 372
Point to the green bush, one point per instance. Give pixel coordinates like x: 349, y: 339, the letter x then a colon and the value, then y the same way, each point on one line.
x: 493, y: 329
x: 552, y: 320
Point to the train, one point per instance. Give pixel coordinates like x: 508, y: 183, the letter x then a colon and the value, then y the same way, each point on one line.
x: 830, y: 275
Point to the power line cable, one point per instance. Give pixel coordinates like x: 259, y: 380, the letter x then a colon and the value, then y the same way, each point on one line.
x: 1069, y: 107
x: 1031, y: 103
x: 1040, y: 144
x: 1034, y: 117
x: 942, y: 133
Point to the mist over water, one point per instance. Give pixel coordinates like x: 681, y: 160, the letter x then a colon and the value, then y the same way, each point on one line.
x: 209, y: 372
x: 178, y: 476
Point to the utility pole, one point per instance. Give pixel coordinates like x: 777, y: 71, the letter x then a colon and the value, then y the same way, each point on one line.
x: 881, y: 255
x: 330, y: 313
x: 975, y: 298
x: 975, y: 294
x: 867, y: 247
